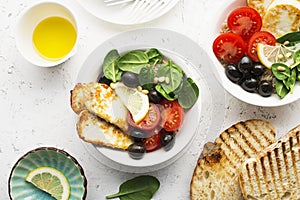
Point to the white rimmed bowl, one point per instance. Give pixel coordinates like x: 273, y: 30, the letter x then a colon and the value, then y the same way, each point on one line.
x: 218, y: 69
x: 27, y: 22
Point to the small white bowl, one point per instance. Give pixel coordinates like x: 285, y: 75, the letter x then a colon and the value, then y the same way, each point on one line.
x: 27, y: 22
x: 234, y: 89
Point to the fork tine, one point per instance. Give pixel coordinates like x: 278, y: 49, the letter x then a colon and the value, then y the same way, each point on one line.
x: 116, y: 2
x: 152, y: 6
x: 138, y: 4
x: 159, y: 8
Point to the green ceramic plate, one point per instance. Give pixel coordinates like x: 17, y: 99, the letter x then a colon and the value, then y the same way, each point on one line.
x: 19, y: 189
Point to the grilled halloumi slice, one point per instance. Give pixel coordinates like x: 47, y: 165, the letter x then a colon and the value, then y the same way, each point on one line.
x: 260, y: 6
x: 282, y: 17
x: 100, y: 100
x: 94, y: 130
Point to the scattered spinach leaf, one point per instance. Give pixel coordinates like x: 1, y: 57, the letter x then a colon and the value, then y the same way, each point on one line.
x: 281, y: 90
x: 175, y: 77
x: 278, y: 73
x: 188, y: 94
x: 110, y: 67
x: 293, y: 38
x: 170, y: 97
x: 291, y: 81
x: 139, y: 188
x: 296, y: 58
x: 133, y: 61
x: 154, y: 56
x: 146, y: 77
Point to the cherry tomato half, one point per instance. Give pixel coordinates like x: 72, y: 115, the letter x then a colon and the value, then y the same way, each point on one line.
x: 244, y: 21
x: 263, y: 37
x: 229, y: 47
x: 153, y: 142
x: 150, y: 121
x: 172, y: 115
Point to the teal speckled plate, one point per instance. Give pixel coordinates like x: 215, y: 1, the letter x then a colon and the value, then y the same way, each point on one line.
x: 19, y: 189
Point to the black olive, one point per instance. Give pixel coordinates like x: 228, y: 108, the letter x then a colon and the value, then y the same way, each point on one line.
x: 233, y: 73
x: 104, y: 80
x: 137, y: 135
x: 130, y: 79
x: 250, y: 85
x: 168, y: 140
x: 136, y: 151
x: 154, y: 96
x: 258, y: 69
x: 245, y: 64
x: 265, y: 88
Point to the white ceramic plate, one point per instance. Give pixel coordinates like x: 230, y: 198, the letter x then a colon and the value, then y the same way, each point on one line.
x: 122, y: 14
x: 193, y: 60
x: 232, y: 88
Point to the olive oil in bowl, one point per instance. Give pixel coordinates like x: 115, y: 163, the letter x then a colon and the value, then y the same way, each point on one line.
x: 54, y: 38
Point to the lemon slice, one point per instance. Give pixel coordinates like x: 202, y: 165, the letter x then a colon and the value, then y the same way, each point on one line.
x: 268, y: 54
x: 134, y: 100
x: 51, y: 181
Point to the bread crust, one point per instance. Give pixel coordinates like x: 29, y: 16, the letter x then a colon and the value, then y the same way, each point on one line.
x: 216, y: 173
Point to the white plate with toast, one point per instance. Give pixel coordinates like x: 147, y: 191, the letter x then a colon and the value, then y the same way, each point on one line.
x: 198, y: 120
x: 236, y: 90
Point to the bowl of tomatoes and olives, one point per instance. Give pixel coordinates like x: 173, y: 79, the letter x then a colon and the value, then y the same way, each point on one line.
x: 170, y: 83
x: 236, y: 33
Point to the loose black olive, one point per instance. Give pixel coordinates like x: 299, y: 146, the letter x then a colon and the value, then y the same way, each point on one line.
x: 167, y: 140
x: 136, y: 151
x: 233, y: 73
x: 258, y: 69
x: 245, y: 64
x: 154, y: 96
x: 130, y: 79
x: 104, y: 80
x: 250, y: 85
x: 137, y: 135
x: 265, y: 88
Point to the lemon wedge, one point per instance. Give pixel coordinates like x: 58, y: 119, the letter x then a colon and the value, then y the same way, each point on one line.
x: 51, y: 181
x: 134, y: 100
x: 268, y: 54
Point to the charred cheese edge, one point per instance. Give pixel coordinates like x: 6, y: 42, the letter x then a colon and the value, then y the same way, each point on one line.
x: 282, y: 17
x: 94, y: 130
x: 260, y: 6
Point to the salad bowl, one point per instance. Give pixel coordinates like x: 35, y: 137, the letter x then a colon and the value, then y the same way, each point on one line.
x: 218, y: 69
x: 59, y: 159
x: 185, y: 53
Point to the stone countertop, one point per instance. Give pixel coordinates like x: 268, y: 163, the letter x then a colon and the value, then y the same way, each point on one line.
x: 35, y: 111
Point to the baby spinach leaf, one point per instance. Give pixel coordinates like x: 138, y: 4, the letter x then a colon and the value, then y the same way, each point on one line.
x: 139, y: 188
x: 291, y: 81
x: 188, y: 94
x: 170, y: 97
x: 110, y: 68
x: 133, y: 61
x: 293, y: 38
x: 296, y: 58
x: 174, y: 76
x: 279, y: 73
x: 154, y: 56
x: 281, y: 90
x: 146, y: 77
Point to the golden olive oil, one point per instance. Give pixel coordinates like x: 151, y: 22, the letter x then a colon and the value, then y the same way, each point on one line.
x: 54, y: 37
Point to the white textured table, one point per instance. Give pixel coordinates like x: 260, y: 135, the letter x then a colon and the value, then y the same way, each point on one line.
x: 35, y: 111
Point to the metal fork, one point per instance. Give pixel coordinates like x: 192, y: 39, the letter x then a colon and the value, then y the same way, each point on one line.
x: 143, y: 9
x: 116, y: 2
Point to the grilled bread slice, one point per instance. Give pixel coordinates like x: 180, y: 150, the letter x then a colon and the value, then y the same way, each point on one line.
x: 282, y: 17
x: 101, y: 100
x: 94, y: 130
x: 216, y: 174
x: 275, y: 172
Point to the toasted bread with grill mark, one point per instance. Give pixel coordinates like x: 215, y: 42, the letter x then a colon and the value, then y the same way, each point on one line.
x: 216, y: 174
x: 275, y: 172
x: 94, y: 130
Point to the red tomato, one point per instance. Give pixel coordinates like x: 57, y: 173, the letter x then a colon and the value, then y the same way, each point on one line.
x: 244, y: 21
x: 150, y: 121
x: 153, y: 142
x: 229, y: 47
x: 263, y: 37
x: 172, y: 115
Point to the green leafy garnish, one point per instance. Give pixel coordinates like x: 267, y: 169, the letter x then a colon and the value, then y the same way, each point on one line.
x: 292, y: 38
x: 110, y: 67
x: 154, y: 56
x: 133, y: 61
x: 188, y: 94
x: 139, y: 188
